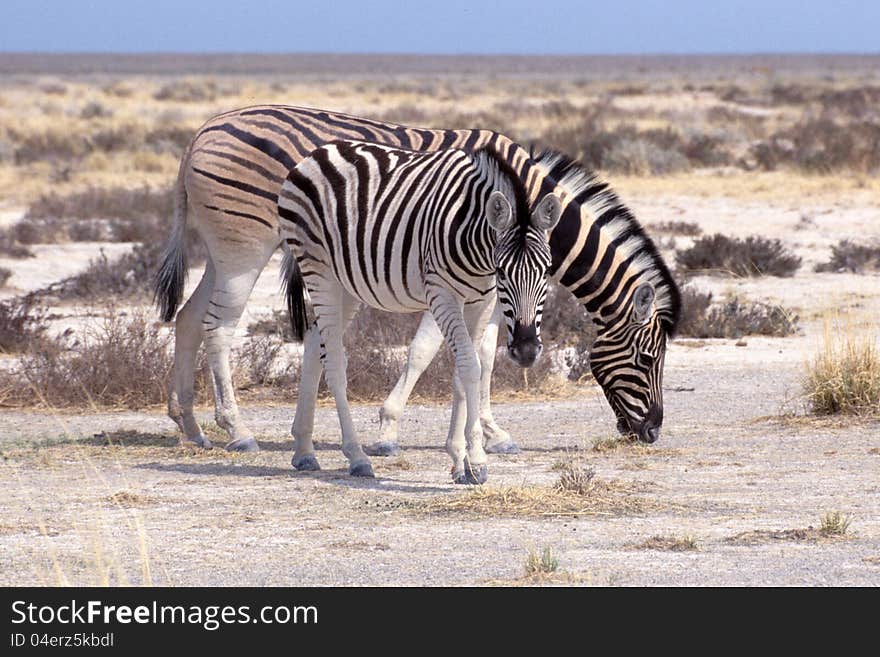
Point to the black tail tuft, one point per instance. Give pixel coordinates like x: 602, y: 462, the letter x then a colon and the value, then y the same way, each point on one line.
x: 294, y: 290
x: 170, y: 279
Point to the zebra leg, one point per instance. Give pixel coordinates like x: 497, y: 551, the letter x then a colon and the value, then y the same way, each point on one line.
x: 334, y: 309
x: 188, y: 336
x: 304, y: 420
x: 228, y: 299
x: 476, y: 316
x: 498, y: 441
x: 464, y: 448
x: 421, y: 352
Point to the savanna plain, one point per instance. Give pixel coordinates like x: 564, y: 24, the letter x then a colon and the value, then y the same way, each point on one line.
x: 757, y: 177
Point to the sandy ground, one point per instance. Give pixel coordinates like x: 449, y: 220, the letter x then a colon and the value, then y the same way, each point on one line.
x: 107, y: 497
x: 85, y: 512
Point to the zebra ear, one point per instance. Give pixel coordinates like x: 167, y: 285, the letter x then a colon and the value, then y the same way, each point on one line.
x: 499, y: 212
x: 643, y: 299
x: 546, y: 214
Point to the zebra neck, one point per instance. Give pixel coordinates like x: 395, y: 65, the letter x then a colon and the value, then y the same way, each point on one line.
x: 601, y: 260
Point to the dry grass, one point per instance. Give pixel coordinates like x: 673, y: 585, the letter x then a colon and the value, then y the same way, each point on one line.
x: 127, y: 499
x: 545, y: 563
x: 603, y: 498
x: 668, y: 543
x: 575, y: 478
x: 122, y: 361
x: 124, y: 129
x: 616, y: 442
x: 833, y: 525
x: 844, y: 376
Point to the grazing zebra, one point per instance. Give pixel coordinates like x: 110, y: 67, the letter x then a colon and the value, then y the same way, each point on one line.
x: 406, y: 231
x: 627, y: 357
x: 227, y: 190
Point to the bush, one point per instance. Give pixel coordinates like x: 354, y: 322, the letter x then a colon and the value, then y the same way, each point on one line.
x: 685, y: 228
x: 822, y: 146
x: 257, y: 358
x: 142, y: 204
x: 857, y: 102
x: 117, y: 139
x: 50, y: 145
x: 95, y: 110
x: 844, y: 377
x: 113, y: 215
x: 753, y: 256
x: 122, y: 362
x: 694, y: 307
x: 852, y: 257
x: 130, y: 275
x: 376, y: 344
x: 188, y: 91
x: 565, y: 321
x: 629, y: 150
x: 169, y: 139
x: 732, y: 319
x: 10, y: 246
x: 641, y: 157
x: 22, y: 324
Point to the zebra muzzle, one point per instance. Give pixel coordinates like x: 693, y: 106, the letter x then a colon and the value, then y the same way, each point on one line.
x: 525, y: 347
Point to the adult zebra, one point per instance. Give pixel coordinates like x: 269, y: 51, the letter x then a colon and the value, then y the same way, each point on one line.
x: 406, y: 231
x: 229, y: 180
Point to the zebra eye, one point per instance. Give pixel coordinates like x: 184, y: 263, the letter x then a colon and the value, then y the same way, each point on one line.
x: 645, y: 359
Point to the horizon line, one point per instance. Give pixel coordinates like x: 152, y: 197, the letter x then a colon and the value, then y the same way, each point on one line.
x: 236, y: 53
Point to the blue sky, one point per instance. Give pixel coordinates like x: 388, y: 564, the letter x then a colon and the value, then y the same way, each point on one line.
x: 450, y: 26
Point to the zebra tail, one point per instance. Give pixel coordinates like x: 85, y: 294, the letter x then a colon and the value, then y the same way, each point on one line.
x: 169, y: 281
x: 294, y: 290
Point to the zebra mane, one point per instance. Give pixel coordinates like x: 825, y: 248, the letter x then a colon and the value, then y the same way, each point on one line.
x: 588, y: 189
x: 492, y: 159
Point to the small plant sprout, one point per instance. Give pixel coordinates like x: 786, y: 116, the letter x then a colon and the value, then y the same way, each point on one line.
x: 544, y: 563
x: 834, y: 524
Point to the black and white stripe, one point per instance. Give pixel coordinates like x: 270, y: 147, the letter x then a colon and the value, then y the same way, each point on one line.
x: 405, y: 231
x: 230, y: 177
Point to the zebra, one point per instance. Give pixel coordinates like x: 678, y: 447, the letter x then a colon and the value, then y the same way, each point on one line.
x: 405, y: 231
x: 627, y: 357
x: 227, y: 189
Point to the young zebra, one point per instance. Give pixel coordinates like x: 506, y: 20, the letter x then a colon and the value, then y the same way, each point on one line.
x: 405, y: 231
x: 227, y: 191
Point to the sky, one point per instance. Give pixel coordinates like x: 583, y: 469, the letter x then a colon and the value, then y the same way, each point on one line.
x: 447, y: 27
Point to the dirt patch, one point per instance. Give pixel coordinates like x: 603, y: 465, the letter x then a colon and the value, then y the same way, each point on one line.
x: 128, y: 499
x: 359, y: 546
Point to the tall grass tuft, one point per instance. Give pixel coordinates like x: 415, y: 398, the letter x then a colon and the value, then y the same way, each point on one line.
x: 844, y: 377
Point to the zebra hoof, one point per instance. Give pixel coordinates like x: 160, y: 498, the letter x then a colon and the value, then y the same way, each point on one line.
x: 361, y: 470
x: 507, y: 447
x: 382, y: 448
x: 472, y: 475
x: 305, y: 463
x: 243, y: 445
x: 198, y: 441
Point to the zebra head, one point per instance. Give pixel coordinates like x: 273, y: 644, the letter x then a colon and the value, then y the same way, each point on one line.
x: 627, y: 361
x: 522, y: 260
